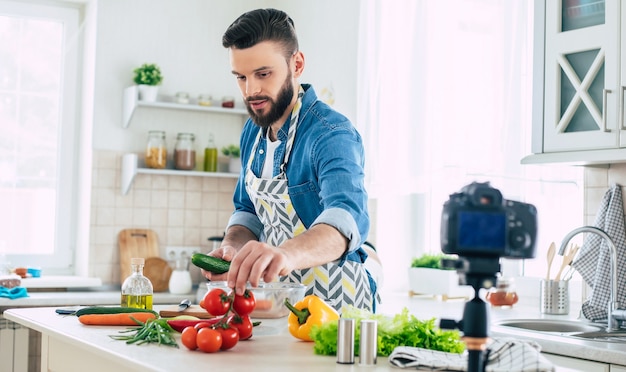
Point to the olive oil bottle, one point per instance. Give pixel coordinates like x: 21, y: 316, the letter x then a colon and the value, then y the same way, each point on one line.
x: 137, y: 289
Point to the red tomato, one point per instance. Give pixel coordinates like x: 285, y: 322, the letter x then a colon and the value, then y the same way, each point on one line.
x: 209, y: 340
x: 217, y: 302
x: 243, y: 324
x: 230, y: 336
x: 201, y: 325
x: 244, y: 304
x: 188, y: 338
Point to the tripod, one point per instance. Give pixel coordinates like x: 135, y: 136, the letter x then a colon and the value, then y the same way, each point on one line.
x: 479, y: 273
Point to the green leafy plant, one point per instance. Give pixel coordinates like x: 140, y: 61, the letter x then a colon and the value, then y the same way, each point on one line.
x: 401, y: 329
x: 231, y: 150
x: 148, y: 74
x: 430, y: 261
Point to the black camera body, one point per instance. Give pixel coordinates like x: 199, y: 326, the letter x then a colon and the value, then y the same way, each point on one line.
x: 479, y: 222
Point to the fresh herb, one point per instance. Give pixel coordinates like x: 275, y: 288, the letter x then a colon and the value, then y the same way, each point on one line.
x: 152, y: 331
x: 231, y: 150
x: 402, y: 329
x: 430, y: 261
x: 148, y: 74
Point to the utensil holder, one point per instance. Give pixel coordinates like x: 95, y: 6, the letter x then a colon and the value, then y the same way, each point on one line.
x: 554, y: 297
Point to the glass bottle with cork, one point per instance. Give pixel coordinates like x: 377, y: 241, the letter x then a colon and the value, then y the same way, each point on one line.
x: 137, y: 289
x: 210, y: 155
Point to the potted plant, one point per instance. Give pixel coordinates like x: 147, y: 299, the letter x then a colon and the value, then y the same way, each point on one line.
x: 428, y: 277
x: 148, y: 78
x: 233, y: 152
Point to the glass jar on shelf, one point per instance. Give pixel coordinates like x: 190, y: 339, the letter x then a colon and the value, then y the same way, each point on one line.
x: 228, y: 102
x: 205, y: 100
x: 185, y: 152
x: 156, y: 152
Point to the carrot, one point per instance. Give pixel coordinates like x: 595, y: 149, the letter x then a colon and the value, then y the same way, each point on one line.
x: 121, y: 319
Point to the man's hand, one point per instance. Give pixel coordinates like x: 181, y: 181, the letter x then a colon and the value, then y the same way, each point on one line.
x: 256, y: 261
x: 226, y: 253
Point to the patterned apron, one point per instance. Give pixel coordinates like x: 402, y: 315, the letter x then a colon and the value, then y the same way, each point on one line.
x: 337, y: 285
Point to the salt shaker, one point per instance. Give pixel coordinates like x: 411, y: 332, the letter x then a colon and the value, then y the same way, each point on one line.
x: 368, y: 343
x: 345, y: 341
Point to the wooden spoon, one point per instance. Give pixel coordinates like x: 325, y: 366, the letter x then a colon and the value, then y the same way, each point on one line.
x: 551, y: 253
x: 567, y: 259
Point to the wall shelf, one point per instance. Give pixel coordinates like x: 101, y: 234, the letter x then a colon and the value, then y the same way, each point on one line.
x: 131, y: 102
x: 130, y: 168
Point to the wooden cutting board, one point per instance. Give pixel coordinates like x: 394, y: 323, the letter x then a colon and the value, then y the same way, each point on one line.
x: 158, y: 271
x: 142, y: 243
x: 193, y: 310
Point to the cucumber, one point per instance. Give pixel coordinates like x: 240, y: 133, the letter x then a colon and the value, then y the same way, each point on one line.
x: 208, y: 263
x: 112, y: 310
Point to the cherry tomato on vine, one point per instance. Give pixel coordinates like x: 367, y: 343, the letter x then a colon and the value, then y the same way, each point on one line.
x: 230, y: 336
x: 244, y: 304
x: 200, y: 325
x: 188, y: 338
x: 217, y: 302
x: 209, y: 340
x: 243, y: 324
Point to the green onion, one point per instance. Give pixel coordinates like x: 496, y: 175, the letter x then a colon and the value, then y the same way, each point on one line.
x: 153, y: 331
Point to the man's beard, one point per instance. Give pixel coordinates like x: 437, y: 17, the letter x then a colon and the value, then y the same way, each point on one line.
x: 277, y: 108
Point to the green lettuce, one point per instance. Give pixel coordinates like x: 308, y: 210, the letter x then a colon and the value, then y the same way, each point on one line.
x: 402, y: 329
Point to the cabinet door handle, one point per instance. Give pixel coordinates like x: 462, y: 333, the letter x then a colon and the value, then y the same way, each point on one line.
x: 605, y: 92
x: 621, y: 107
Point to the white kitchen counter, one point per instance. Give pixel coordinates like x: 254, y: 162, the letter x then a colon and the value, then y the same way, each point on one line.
x: 85, y: 298
x: 271, y: 347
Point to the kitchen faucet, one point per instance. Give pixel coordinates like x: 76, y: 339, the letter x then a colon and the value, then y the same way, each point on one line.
x: 614, y: 315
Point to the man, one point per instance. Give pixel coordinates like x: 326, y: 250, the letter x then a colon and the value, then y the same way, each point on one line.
x: 300, y: 203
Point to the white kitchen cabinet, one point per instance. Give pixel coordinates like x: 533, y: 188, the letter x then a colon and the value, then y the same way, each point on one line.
x: 566, y: 364
x: 132, y: 165
x: 579, y: 82
x: 616, y: 368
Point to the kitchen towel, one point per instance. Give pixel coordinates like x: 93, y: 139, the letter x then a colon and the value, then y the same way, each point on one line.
x: 13, y: 293
x: 594, y: 260
x: 504, y: 355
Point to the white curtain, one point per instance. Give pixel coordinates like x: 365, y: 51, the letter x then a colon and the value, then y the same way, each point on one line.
x: 445, y: 99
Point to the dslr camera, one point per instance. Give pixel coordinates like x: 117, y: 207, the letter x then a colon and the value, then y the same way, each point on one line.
x: 478, y: 223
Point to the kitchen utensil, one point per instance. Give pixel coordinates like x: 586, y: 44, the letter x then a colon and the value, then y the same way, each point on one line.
x: 551, y: 254
x: 193, y: 310
x: 570, y: 269
x: 568, y: 257
x: 554, y: 298
x: 139, y: 243
x: 159, y: 272
x: 184, y: 304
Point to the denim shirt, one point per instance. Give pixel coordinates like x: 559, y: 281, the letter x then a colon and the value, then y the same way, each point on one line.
x: 325, y: 173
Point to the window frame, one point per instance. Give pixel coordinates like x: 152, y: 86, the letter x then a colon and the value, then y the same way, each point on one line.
x: 68, y: 184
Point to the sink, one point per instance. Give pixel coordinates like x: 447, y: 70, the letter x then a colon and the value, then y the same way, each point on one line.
x: 551, y: 325
x: 581, y: 330
x: 615, y: 336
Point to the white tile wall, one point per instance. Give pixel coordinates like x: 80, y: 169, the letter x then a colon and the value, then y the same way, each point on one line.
x: 183, y: 211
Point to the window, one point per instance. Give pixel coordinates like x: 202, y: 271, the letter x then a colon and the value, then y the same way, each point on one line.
x: 39, y: 49
x: 445, y: 100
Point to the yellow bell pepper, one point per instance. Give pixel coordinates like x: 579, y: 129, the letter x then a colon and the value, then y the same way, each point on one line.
x: 311, y: 311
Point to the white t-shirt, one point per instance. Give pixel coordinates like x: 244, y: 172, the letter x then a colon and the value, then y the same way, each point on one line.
x: 268, y: 167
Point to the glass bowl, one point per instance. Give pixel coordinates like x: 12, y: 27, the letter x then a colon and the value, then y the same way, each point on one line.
x: 270, y: 297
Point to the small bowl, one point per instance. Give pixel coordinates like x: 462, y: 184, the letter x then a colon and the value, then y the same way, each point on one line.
x: 270, y: 297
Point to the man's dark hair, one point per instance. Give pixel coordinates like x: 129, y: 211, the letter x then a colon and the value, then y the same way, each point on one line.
x: 260, y: 25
